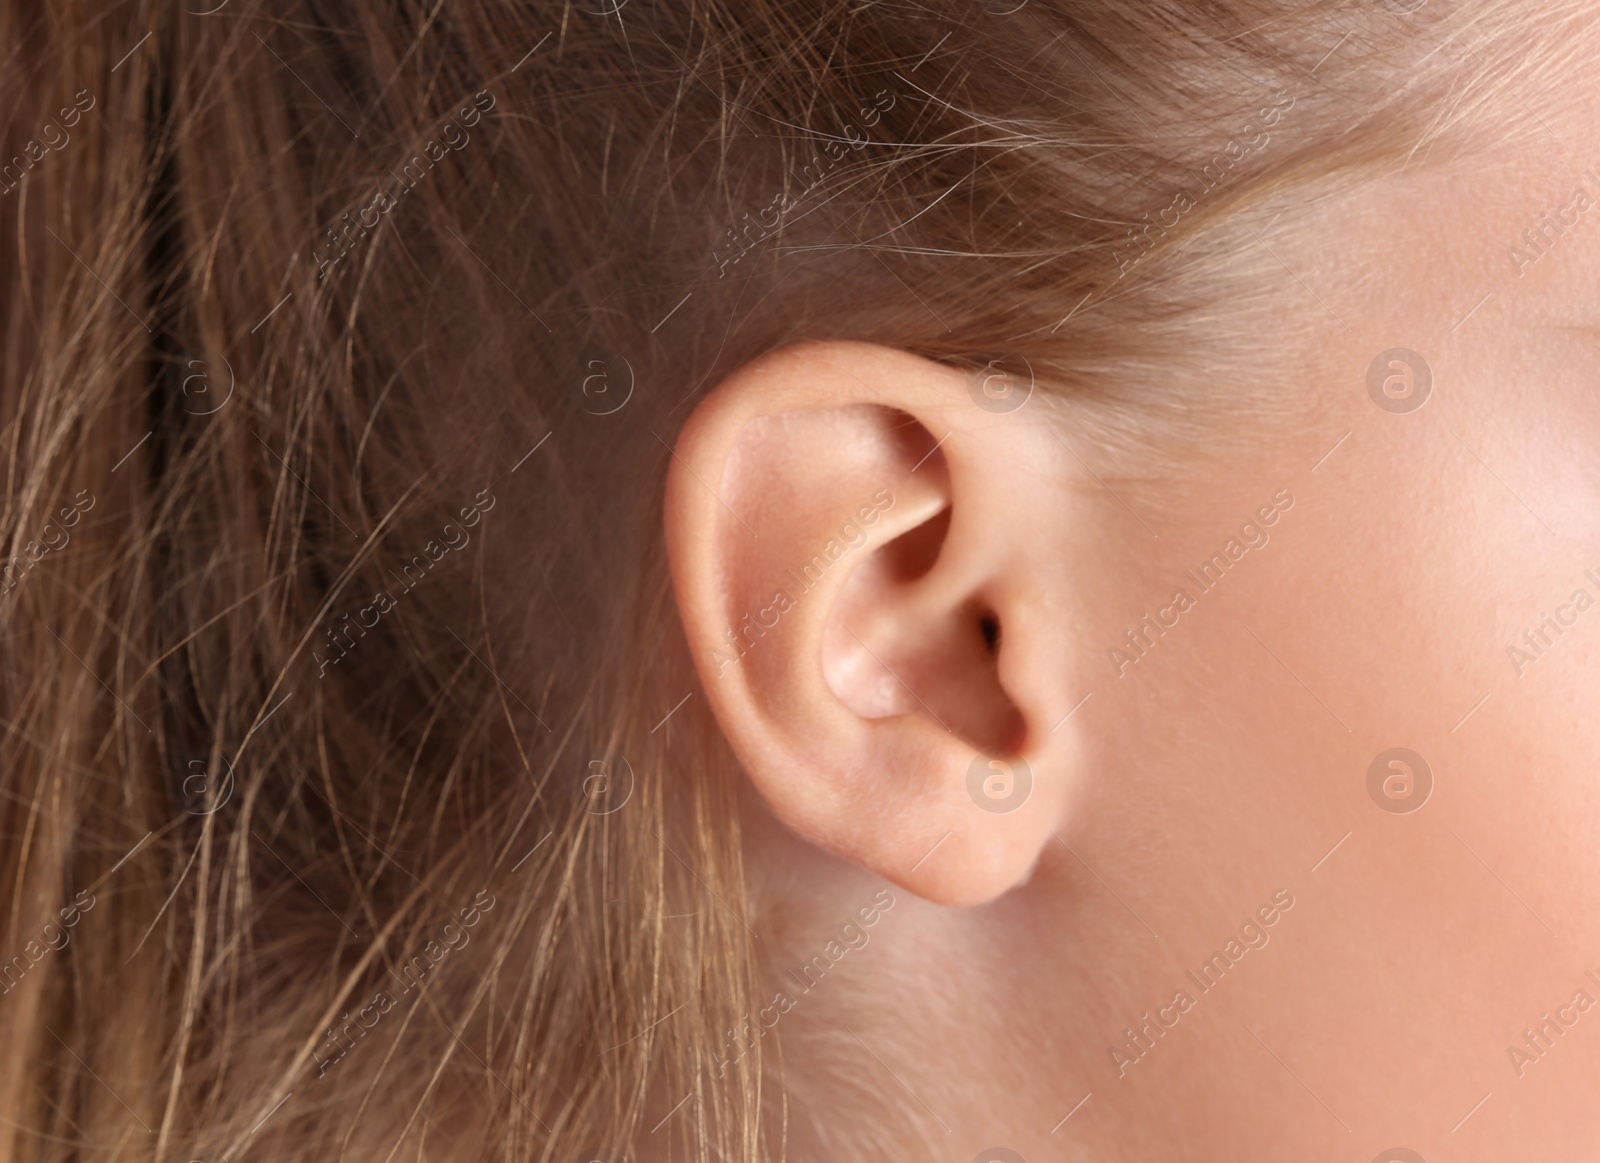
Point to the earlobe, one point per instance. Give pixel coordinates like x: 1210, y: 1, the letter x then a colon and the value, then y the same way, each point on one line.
x: 860, y: 589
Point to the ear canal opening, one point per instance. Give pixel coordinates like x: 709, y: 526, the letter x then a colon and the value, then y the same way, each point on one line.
x: 989, y: 626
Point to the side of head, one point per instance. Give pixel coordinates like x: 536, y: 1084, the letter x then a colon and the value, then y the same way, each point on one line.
x: 629, y: 579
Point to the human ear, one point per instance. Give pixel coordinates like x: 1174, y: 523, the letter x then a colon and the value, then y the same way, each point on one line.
x: 855, y: 548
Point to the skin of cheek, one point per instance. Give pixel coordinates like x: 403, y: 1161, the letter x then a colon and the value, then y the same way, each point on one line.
x: 1380, y: 618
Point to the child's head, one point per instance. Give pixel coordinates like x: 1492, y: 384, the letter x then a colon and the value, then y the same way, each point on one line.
x: 861, y: 580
